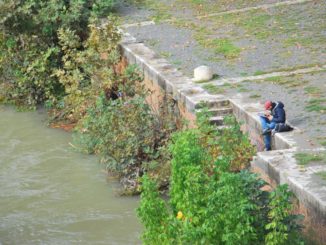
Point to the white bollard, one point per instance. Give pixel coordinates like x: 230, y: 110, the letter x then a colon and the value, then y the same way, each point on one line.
x: 203, y: 73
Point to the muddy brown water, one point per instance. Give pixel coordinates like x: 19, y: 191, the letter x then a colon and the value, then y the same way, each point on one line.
x: 50, y: 194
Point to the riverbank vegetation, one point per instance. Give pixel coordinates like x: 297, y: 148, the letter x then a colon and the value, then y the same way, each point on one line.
x: 213, y: 199
x: 32, y: 34
x: 60, y: 54
x: 126, y: 134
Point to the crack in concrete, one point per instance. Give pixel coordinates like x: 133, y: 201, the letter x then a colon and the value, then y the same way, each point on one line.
x: 268, y: 75
x: 234, y: 11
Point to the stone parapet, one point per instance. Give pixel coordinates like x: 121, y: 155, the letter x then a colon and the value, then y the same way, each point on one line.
x: 162, y: 75
x: 280, y: 167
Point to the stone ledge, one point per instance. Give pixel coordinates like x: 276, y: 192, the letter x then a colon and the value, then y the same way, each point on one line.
x: 282, y: 168
x: 247, y: 113
x: 163, y: 74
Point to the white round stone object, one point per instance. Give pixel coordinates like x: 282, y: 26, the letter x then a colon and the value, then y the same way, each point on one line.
x: 202, y: 73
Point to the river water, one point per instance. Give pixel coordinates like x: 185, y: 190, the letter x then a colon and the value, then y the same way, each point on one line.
x: 50, y: 194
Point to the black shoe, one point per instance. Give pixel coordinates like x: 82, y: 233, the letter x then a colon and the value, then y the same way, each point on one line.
x: 267, y: 131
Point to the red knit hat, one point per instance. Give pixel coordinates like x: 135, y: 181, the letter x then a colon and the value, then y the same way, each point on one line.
x: 268, y: 104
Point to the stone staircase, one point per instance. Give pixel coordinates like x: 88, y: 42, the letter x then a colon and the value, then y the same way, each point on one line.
x: 218, y: 111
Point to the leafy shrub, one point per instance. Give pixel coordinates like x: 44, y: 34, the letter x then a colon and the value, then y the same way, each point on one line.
x: 153, y: 212
x: 282, y: 226
x: 126, y: 144
x: 229, y: 218
x: 189, y: 159
x: 59, y: 53
x: 123, y: 130
x: 208, y: 203
x: 88, y: 69
x: 30, y: 49
x: 228, y: 143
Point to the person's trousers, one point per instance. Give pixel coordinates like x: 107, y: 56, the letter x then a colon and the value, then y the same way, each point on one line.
x: 266, y: 124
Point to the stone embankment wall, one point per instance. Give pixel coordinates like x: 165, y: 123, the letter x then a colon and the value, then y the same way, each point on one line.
x: 279, y: 166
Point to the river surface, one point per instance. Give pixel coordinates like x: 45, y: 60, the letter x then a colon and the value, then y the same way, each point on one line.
x: 50, y: 194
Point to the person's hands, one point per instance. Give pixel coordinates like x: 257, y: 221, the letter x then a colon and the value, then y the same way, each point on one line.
x: 270, y: 117
x: 267, y: 113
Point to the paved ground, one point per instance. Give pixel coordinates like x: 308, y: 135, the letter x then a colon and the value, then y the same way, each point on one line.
x: 239, y: 39
x: 304, y: 96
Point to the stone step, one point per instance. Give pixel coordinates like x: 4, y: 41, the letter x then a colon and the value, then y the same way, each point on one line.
x: 221, y: 127
x: 213, y: 104
x: 218, y: 111
x: 217, y: 120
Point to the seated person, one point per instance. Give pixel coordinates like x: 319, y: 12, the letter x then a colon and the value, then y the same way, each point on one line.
x: 274, y: 114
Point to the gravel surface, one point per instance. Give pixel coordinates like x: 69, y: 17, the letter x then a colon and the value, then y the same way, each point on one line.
x: 274, y: 39
x: 182, y: 8
x: 179, y: 45
x: 176, y: 45
x: 130, y: 13
x: 295, y: 92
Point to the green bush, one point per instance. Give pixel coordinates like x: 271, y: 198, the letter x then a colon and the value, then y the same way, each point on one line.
x: 124, y: 131
x: 30, y: 49
x: 282, y: 227
x: 229, y: 143
x: 208, y: 203
x: 59, y: 53
x: 153, y: 212
x: 187, y: 166
x: 85, y: 73
x: 126, y: 144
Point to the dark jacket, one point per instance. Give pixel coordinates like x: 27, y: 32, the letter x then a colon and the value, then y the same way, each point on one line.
x: 278, y: 112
